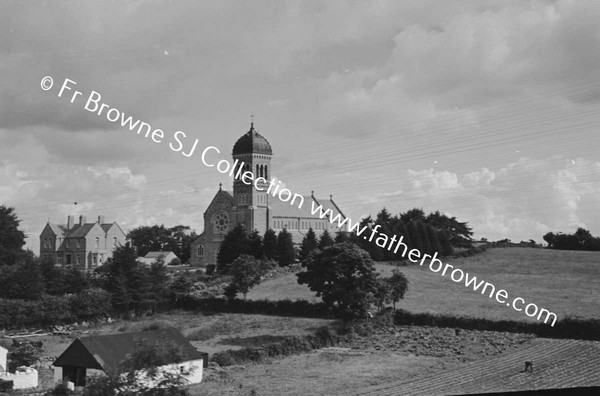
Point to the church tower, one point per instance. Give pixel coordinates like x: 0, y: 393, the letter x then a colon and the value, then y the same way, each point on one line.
x: 254, y: 153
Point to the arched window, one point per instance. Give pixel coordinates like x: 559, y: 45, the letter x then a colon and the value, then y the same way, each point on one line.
x: 266, y: 172
x: 257, y: 171
x: 262, y: 171
x: 200, y: 251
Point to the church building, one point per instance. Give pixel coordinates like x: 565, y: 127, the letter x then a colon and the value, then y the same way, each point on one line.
x: 254, y: 207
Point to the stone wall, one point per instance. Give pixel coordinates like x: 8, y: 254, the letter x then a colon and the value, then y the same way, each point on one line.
x: 23, y: 378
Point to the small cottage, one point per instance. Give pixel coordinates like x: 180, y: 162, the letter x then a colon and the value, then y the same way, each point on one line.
x: 99, y: 354
x: 151, y: 257
x: 23, y: 378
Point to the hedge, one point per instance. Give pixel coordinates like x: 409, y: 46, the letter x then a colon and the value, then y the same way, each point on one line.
x: 300, y: 308
x: 584, y: 329
x: 290, y: 345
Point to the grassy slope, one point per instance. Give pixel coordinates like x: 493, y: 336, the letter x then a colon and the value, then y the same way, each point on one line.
x: 564, y: 282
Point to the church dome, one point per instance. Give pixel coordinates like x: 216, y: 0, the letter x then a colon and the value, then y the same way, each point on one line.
x: 252, y: 143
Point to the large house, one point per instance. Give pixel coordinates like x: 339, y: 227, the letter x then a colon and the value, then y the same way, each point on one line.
x: 103, y: 354
x: 85, y: 245
x: 255, y: 208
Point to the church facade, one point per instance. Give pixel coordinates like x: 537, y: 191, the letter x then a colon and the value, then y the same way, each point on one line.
x: 252, y: 205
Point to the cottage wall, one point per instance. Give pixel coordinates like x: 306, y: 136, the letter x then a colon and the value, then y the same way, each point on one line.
x: 25, y: 379
x: 3, y: 359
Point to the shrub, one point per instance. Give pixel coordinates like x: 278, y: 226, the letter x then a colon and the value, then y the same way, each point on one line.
x: 6, y: 386
x: 210, y: 269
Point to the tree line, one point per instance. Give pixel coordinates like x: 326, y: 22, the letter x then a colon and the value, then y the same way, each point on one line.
x: 581, y: 239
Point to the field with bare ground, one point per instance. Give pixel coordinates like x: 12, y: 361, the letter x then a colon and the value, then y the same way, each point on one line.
x: 382, y: 355
x: 564, y: 282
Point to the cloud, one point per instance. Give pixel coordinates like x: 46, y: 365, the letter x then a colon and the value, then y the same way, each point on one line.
x: 522, y: 200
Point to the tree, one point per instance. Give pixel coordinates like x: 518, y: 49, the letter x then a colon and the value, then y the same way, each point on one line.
x: 53, y: 276
x: 397, y: 285
x: 11, y: 238
x: 23, y: 280
x: 255, y: 244
x: 246, y: 272
x: 270, y: 245
x: 286, y: 253
x: 309, y: 243
x: 234, y: 244
x: 459, y: 233
x: 344, y: 276
x: 74, y: 281
x: 176, y: 239
x: 128, y: 282
x: 341, y: 237
x: 325, y: 240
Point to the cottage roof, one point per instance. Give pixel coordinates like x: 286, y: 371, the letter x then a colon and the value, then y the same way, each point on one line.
x: 155, y: 255
x: 107, y: 352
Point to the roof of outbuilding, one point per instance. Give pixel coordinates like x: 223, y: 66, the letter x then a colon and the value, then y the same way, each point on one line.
x: 154, y: 255
x: 107, y: 352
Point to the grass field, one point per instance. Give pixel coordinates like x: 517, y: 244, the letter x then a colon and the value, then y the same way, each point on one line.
x: 564, y: 282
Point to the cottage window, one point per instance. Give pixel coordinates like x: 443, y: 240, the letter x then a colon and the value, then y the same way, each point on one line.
x: 78, y: 244
x: 200, y: 251
x: 97, y: 242
x: 68, y: 259
x: 114, y: 241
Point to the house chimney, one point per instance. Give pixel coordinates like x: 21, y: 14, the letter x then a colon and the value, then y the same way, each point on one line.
x: 82, y: 220
x: 100, y: 219
x: 70, y: 222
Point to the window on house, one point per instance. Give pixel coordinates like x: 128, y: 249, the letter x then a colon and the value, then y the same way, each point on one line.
x: 78, y: 244
x: 200, y: 251
x: 95, y: 259
x: 114, y: 241
x: 97, y: 242
x: 68, y: 259
x: 59, y: 259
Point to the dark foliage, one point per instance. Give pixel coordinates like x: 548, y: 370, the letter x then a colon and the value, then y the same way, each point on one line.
x: 11, y: 238
x: 286, y: 253
x: 325, y: 240
x: 234, y: 244
x: 343, y: 275
x: 176, y: 239
x: 309, y: 243
x: 582, y: 239
x: 270, y: 245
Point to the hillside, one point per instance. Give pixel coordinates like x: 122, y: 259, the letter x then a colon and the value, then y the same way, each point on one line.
x: 564, y: 282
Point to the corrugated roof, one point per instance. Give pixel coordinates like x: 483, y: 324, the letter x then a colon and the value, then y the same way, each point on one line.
x: 107, y: 352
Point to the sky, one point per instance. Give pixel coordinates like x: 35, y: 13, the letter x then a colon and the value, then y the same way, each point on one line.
x: 484, y: 110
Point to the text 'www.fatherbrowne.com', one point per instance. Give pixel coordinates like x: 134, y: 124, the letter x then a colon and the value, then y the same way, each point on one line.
x: 396, y: 245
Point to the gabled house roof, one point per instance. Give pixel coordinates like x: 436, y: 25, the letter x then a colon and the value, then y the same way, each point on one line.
x: 77, y: 231
x: 155, y: 255
x: 107, y: 352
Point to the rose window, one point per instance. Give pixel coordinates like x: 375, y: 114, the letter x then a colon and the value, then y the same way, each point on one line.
x: 221, y: 222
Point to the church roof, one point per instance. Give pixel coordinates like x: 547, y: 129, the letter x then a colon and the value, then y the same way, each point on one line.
x: 252, y: 142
